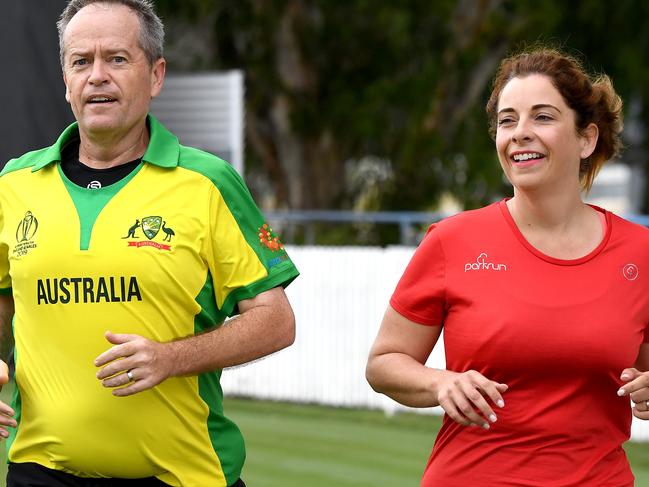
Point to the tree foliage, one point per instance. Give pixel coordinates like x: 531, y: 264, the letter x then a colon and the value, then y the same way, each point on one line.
x: 380, y: 105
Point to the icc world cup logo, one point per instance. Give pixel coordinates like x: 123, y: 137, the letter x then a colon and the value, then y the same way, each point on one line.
x: 27, y: 228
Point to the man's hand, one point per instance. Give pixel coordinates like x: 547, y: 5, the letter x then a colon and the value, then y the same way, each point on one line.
x: 265, y: 325
x: 134, y: 364
x: 6, y: 413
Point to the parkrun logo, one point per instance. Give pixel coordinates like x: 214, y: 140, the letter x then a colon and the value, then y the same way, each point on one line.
x: 76, y: 290
x: 481, y: 264
x: 25, y: 233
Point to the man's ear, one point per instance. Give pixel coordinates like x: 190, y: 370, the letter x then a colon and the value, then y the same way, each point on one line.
x: 157, y: 76
x: 67, y: 90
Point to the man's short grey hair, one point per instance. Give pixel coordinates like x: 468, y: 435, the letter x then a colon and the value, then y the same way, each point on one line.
x: 151, y: 28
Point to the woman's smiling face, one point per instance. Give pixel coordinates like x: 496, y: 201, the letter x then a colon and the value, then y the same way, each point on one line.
x: 536, y: 137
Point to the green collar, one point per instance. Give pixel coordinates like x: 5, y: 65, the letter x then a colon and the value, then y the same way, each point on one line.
x: 163, y: 149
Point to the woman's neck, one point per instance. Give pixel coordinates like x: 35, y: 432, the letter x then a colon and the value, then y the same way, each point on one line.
x: 558, y: 225
x: 548, y: 211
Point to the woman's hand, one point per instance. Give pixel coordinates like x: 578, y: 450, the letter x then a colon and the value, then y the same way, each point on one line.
x: 637, y: 388
x: 396, y: 367
x: 465, y: 397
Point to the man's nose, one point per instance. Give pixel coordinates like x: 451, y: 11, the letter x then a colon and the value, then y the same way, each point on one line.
x: 99, y: 73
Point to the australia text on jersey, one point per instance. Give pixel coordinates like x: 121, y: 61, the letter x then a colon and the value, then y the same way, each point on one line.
x: 76, y: 290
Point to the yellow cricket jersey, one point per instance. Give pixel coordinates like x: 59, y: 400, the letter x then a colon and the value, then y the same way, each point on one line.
x: 165, y: 253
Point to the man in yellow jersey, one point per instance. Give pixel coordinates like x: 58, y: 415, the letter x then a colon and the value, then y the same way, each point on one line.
x: 123, y: 252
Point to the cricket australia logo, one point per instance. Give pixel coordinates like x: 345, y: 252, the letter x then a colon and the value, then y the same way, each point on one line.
x: 481, y: 264
x: 150, y: 226
x: 25, y: 233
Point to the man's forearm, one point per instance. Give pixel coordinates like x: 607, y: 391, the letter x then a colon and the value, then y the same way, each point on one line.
x: 135, y: 363
x: 256, y: 333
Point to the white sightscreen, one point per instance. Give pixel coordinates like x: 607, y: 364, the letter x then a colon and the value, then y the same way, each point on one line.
x: 205, y: 110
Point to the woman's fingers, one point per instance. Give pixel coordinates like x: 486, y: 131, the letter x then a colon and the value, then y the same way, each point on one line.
x: 466, y: 397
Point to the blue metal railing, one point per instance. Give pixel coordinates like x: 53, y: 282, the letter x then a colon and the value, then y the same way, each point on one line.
x: 406, y: 220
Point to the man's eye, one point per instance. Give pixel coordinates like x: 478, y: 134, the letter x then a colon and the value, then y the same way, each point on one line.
x: 79, y: 62
x: 119, y: 59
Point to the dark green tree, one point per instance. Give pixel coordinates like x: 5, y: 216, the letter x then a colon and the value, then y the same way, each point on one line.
x: 332, y: 87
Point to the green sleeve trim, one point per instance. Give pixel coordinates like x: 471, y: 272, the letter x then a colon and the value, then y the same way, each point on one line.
x: 5, y: 292
x: 279, y: 277
x: 250, y: 221
x: 237, y: 198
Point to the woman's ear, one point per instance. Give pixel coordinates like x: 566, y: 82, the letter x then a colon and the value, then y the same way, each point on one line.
x: 589, y: 138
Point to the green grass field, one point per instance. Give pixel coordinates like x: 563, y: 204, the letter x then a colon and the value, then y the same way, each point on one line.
x: 295, y: 445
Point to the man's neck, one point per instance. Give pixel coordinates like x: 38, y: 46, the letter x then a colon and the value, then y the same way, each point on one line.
x: 101, y: 151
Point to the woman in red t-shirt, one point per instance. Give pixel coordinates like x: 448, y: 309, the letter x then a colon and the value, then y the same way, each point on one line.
x: 543, y: 300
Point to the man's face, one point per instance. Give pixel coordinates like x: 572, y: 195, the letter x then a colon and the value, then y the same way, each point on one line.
x: 109, y: 82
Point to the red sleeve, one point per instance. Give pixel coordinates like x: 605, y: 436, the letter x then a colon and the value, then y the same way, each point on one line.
x: 419, y: 295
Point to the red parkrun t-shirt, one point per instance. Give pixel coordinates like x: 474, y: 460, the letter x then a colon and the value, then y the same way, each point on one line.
x: 558, y: 332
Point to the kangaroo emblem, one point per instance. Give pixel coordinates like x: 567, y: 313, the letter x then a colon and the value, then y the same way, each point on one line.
x: 131, y: 231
